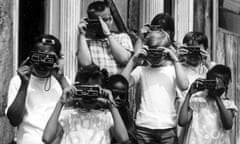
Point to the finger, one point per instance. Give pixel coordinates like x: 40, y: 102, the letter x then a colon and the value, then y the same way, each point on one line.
x: 25, y: 61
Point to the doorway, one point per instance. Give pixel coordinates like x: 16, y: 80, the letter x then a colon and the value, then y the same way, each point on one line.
x: 31, y: 25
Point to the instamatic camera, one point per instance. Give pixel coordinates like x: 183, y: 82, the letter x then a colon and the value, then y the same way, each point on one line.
x: 156, y: 53
x: 42, y: 59
x: 206, y: 84
x: 94, y: 27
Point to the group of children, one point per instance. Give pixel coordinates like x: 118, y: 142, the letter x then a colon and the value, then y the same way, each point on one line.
x: 205, y: 114
x: 181, y: 95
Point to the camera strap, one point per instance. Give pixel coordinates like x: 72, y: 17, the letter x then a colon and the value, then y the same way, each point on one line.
x: 47, y: 84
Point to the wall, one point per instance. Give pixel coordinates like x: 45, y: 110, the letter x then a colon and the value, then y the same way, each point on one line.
x: 6, y: 65
x: 227, y: 52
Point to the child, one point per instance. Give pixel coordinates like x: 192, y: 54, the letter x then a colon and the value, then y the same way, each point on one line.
x: 207, y: 111
x: 87, y: 124
x: 156, y: 118
x: 120, y: 87
x: 195, y: 65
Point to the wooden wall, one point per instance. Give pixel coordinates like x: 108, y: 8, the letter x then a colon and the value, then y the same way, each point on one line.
x: 6, y: 66
x: 224, y: 49
x: 227, y: 52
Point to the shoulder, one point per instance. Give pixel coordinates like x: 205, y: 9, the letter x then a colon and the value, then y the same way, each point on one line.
x: 16, y: 81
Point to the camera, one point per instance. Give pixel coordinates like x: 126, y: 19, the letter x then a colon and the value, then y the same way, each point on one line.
x: 206, y: 84
x: 43, y: 59
x: 192, y: 50
x: 87, y: 91
x: 156, y: 53
x: 94, y: 27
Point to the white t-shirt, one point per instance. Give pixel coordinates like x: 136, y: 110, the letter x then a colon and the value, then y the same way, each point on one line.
x: 158, y: 94
x: 81, y: 127
x: 42, y: 95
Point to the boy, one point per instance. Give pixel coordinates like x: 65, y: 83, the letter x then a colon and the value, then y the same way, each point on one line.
x: 156, y: 118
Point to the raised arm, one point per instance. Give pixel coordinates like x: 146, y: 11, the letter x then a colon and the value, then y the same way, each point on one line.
x: 16, y: 110
x: 185, y: 114
x: 53, y: 127
x: 120, y: 53
x: 225, y: 114
x: 118, y: 130
x: 83, y: 53
x: 181, y: 77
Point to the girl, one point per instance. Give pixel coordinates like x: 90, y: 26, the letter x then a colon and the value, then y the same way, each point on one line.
x: 87, y: 124
x: 207, y: 111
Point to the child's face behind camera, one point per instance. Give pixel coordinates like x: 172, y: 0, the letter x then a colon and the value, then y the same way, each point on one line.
x: 220, y: 88
x: 157, y: 40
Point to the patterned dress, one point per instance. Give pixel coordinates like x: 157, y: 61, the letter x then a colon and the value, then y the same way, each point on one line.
x: 206, y: 125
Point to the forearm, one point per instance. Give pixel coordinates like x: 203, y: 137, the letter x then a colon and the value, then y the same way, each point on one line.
x: 16, y: 111
x: 63, y: 82
x: 128, y: 69
x: 181, y: 77
x: 83, y: 53
x: 119, y: 128
x: 185, y: 114
x: 121, y: 54
x: 53, y: 126
x: 225, y: 114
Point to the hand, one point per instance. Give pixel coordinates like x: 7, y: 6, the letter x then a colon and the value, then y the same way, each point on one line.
x: 182, y: 51
x: 58, y: 71
x: 206, y: 59
x: 82, y: 26
x: 171, y: 54
x: 24, y: 71
x: 144, y: 31
x: 105, y: 28
x: 139, y: 55
x: 195, y: 86
x: 107, y: 98
x: 67, y: 93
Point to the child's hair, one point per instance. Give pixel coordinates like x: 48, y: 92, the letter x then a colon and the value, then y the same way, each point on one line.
x: 157, y: 39
x: 223, y: 70
x: 91, y: 71
x: 48, y: 40
x: 118, y: 81
x: 96, y: 6
x: 166, y: 22
x: 196, y: 38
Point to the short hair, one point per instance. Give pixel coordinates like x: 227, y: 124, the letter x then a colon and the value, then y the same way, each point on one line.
x: 196, y: 38
x: 91, y: 71
x: 166, y: 22
x: 50, y: 40
x: 117, y: 78
x: 223, y: 70
x: 96, y: 6
x: 157, y: 39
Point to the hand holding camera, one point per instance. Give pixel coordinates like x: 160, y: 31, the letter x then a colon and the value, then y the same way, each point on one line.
x: 140, y: 55
x: 171, y: 54
x: 202, y: 84
x: 82, y: 27
x: 67, y: 94
x: 24, y: 71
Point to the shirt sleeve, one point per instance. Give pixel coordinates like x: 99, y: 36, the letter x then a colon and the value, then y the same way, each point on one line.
x: 125, y: 41
x: 229, y: 104
x: 136, y: 74
x: 13, y: 88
